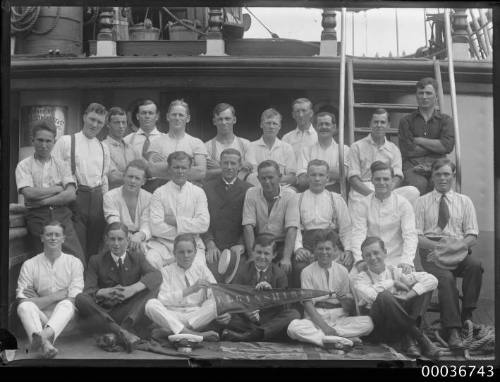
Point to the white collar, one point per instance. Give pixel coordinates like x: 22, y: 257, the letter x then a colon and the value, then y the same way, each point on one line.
x: 153, y: 132
x: 310, y: 130
x: 277, y: 143
x: 229, y: 183
x: 116, y: 258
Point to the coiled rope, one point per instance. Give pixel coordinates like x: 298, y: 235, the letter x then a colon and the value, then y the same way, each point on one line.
x: 23, y: 19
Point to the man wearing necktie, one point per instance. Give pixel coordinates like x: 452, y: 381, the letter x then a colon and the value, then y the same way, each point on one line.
x: 444, y: 213
x: 117, y: 285
x: 261, y: 273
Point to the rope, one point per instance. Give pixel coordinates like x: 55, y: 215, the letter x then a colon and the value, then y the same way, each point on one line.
x: 273, y: 35
x: 23, y: 19
x: 183, y: 23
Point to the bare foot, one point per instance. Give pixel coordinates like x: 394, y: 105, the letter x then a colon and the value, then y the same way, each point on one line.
x: 36, y: 342
x: 48, y: 350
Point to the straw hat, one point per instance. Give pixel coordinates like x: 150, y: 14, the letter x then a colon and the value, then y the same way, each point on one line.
x: 229, y: 262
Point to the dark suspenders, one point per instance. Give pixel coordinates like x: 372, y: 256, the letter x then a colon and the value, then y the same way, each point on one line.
x: 373, y: 281
x: 334, y: 212
x: 73, y: 160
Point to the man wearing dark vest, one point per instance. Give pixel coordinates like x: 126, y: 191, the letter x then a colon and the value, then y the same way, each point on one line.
x: 89, y: 161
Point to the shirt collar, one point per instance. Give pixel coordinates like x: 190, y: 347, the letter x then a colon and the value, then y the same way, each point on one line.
x: 310, y: 130
x: 275, y: 198
x: 175, y: 186
x: 153, y: 132
x: 115, y: 258
x: 435, y: 114
x: 277, y: 143
x: 261, y: 270
x: 112, y: 141
x: 229, y: 183
x: 39, y: 161
x: 369, y: 138
x: 437, y: 195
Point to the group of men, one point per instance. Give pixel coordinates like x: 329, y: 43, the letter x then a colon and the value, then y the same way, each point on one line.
x: 152, y: 215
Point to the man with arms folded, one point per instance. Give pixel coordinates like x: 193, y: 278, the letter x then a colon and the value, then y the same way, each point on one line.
x: 117, y: 285
x: 176, y: 207
x: 46, y: 289
x: 387, y: 215
x: 395, y: 301
x: 329, y: 315
x: 271, y: 208
x: 48, y: 189
x: 129, y: 204
x: 304, y: 135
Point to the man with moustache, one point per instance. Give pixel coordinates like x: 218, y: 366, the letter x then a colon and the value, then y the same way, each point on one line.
x: 224, y: 118
x: 304, y: 135
x: 325, y: 149
x: 225, y: 196
x: 48, y: 189
x: 88, y: 159
x: 121, y: 153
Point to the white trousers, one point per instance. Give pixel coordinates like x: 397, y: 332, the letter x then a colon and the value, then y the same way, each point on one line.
x: 175, y: 319
x: 161, y: 253
x: 34, y: 319
x: 346, y: 326
x: 411, y: 194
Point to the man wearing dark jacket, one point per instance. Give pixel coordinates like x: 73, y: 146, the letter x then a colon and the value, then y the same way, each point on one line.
x: 117, y: 285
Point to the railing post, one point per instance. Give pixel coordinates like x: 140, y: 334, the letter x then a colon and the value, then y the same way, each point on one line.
x: 106, y: 44
x: 460, y: 37
x: 328, y: 45
x: 215, y: 42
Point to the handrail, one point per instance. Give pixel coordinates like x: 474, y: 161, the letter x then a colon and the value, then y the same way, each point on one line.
x: 451, y: 73
x: 341, y: 106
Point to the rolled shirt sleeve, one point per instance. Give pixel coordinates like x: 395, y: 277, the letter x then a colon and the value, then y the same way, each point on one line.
x: 367, y: 291
x: 425, y: 282
x: 249, y: 209
x: 292, y: 215
x: 76, y: 285
x: 23, y: 176
x: 469, y: 222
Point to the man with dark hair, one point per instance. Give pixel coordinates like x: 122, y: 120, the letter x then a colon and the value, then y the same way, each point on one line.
x: 376, y: 147
x: 304, y: 135
x: 46, y: 289
x: 48, y: 189
x: 117, y: 285
x: 260, y: 272
x: 424, y: 136
x: 177, y: 207
x: 121, y: 153
x: 330, y: 315
x: 447, y: 225
x: 270, y: 147
x: 387, y: 215
x: 325, y: 149
x: 395, y: 301
x: 225, y: 197
x: 129, y: 204
x: 224, y: 118
x: 89, y: 161
x: 271, y: 208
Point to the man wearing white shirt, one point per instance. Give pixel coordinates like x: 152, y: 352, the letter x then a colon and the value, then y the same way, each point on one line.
x: 46, y: 289
x: 325, y: 149
x: 270, y: 147
x: 388, y: 216
x: 224, y: 118
x: 395, y: 301
x: 328, y: 315
x: 304, y: 135
x: 320, y: 209
x: 129, y: 204
x: 88, y: 159
x: 177, y: 207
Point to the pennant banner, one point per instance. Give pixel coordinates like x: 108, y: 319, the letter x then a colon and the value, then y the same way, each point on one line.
x: 233, y: 298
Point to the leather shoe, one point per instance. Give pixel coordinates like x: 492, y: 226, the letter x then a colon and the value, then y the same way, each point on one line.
x: 128, y: 340
x: 410, y: 347
x: 248, y: 336
x: 454, y: 340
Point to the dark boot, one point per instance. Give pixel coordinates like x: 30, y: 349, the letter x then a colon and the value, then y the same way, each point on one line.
x: 454, y: 340
x: 427, y: 347
x: 410, y: 347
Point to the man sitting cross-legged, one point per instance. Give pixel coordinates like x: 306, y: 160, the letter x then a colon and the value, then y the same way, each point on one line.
x: 184, y: 304
x: 329, y: 315
x: 261, y: 273
x: 394, y: 300
x: 46, y: 288
x: 117, y: 285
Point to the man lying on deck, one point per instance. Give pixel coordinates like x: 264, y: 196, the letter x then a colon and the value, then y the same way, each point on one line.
x: 261, y: 273
x: 329, y: 315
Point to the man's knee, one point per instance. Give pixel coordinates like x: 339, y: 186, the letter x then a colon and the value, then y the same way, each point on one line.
x: 26, y: 307
x: 152, y: 305
x: 418, y: 181
x: 385, y: 297
x: 82, y: 300
x: 474, y: 264
x: 66, y: 304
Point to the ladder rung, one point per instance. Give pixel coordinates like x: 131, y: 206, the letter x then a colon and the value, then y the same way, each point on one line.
x: 384, y: 82
x: 389, y: 106
x: 369, y: 130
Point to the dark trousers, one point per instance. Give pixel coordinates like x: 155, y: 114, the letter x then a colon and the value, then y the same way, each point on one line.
x: 422, y: 182
x: 37, y: 218
x: 471, y: 270
x: 273, y: 323
x: 392, y: 318
x: 89, y: 220
x: 102, y: 319
x: 153, y: 183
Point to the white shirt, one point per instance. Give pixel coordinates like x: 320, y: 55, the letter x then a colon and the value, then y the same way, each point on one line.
x: 116, y: 258
x: 174, y: 282
x: 330, y: 155
x: 88, y: 158
x: 462, y: 221
x: 31, y: 172
x: 369, y: 284
x: 324, y: 210
x: 45, y: 278
x: 166, y: 145
x: 281, y: 152
x: 189, y: 206
x: 116, y: 210
x: 392, y: 220
x: 299, y: 139
x: 365, y: 151
x: 136, y: 140
x: 238, y: 143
